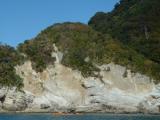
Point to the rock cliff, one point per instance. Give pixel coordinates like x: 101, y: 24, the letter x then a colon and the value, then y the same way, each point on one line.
x: 61, y: 89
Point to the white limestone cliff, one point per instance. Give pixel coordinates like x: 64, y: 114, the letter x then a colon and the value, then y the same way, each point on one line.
x: 59, y: 88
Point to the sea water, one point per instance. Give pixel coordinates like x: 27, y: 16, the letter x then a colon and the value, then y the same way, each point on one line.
x: 77, y: 117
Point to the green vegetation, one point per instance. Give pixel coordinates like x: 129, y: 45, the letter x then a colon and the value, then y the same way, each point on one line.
x: 38, y: 51
x: 135, y: 23
x: 78, y: 42
x: 9, y: 58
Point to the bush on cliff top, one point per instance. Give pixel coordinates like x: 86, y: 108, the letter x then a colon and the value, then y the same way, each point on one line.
x: 9, y: 58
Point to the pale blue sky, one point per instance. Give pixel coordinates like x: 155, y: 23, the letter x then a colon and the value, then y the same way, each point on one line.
x: 24, y: 19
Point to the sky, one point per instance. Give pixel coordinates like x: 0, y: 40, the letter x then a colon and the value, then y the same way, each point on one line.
x: 23, y: 19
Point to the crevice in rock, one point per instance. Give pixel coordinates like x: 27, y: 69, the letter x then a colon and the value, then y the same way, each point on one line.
x: 125, y: 74
x: 108, y: 107
x: 85, y: 87
x: 101, y: 79
x: 92, y: 95
x: 94, y: 101
x: 44, y: 106
x: 2, y: 99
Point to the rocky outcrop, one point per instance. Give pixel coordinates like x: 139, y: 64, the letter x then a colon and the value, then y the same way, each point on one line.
x: 61, y: 89
x: 13, y: 100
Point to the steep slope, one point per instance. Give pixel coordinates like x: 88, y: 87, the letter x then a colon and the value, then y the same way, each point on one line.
x: 134, y: 23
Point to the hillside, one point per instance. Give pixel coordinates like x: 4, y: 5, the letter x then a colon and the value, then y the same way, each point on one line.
x: 134, y: 23
x: 72, y: 68
x: 79, y: 42
x: 111, y: 65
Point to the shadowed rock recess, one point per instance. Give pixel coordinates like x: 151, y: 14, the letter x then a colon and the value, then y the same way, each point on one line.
x: 70, y: 67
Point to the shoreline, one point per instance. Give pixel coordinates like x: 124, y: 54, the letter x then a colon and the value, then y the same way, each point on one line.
x: 82, y: 113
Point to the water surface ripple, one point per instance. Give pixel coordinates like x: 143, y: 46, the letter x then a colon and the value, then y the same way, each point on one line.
x: 77, y: 117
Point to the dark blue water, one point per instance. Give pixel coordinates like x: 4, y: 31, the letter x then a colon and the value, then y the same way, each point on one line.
x: 77, y: 117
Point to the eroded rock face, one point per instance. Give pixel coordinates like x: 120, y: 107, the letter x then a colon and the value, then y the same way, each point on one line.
x: 59, y: 88
x: 15, y: 100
